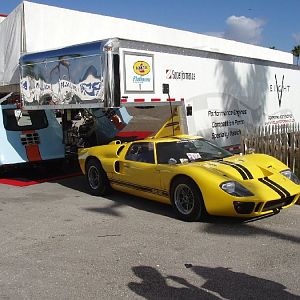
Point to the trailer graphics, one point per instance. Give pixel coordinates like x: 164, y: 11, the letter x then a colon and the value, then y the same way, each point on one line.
x: 221, y: 94
x: 57, y: 78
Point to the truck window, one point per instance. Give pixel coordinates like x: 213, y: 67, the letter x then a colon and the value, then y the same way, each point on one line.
x: 18, y: 120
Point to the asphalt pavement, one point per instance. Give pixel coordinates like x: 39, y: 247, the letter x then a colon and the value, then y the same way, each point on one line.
x: 59, y: 242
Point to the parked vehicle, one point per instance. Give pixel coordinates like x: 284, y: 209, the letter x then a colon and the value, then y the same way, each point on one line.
x: 28, y: 136
x: 192, y: 174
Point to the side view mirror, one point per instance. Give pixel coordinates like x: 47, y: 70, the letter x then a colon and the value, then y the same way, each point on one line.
x: 172, y: 161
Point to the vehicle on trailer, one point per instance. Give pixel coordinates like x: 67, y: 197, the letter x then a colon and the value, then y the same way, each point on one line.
x: 192, y: 174
x: 28, y: 136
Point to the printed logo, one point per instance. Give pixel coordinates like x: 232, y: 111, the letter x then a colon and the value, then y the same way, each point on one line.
x: 279, y: 87
x: 141, y: 68
x: 180, y: 75
x: 169, y: 74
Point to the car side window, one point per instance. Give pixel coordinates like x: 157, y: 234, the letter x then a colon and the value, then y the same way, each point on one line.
x: 142, y: 152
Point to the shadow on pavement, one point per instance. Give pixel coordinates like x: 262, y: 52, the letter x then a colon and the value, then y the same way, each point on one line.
x: 153, y: 285
x: 213, y: 224
x: 25, y: 175
x: 121, y: 199
x: 246, y: 229
x: 219, y: 283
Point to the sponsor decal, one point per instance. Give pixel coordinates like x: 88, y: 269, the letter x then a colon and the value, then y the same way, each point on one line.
x: 180, y: 75
x: 279, y: 88
x: 227, y: 123
x: 141, y: 68
x: 139, y: 76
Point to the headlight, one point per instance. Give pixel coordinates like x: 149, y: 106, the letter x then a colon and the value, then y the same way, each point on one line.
x: 291, y: 176
x: 236, y: 189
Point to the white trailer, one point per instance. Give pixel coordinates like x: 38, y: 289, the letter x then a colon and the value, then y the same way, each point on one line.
x: 222, y: 93
x: 219, y: 90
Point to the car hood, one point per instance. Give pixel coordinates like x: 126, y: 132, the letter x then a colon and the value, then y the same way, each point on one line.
x: 244, y: 167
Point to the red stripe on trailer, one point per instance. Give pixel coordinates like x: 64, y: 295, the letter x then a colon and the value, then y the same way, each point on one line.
x: 123, y: 100
x: 139, y: 100
x: 137, y: 134
x: 155, y: 99
x: 3, y: 15
x: 171, y: 99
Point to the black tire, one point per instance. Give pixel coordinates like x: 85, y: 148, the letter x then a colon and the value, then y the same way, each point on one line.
x: 96, y: 178
x: 187, y: 199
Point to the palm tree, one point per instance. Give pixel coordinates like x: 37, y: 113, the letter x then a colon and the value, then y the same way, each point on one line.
x: 296, y: 53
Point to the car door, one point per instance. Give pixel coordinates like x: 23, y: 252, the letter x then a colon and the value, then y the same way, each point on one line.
x: 138, y: 173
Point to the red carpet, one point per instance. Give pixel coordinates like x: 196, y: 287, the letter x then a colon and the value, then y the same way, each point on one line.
x: 22, y: 182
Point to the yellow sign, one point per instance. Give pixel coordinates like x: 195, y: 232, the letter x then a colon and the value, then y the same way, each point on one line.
x: 141, y: 68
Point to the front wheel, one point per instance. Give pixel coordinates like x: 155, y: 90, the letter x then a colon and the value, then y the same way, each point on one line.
x: 97, y: 179
x: 187, y: 199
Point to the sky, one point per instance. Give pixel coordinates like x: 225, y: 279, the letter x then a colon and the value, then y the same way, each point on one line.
x: 265, y: 23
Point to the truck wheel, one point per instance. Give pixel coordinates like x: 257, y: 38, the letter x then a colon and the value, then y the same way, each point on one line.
x: 186, y: 199
x: 97, y: 179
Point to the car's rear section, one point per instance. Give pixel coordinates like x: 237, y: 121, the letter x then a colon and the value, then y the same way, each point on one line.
x: 29, y: 136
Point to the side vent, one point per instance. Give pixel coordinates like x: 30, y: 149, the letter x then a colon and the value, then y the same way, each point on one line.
x: 117, y: 166
x: 30, y: 138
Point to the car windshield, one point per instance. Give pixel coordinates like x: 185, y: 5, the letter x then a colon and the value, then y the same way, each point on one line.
x: 189, y: 150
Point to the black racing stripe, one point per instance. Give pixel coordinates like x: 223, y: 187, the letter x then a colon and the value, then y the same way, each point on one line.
x: 250, y: 176
x: 278, y: 186
x: 278, y: 191
x: 241, y: 171
x: 140, y: 188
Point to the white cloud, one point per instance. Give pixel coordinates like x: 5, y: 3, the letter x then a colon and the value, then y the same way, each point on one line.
x: 215, y: 34
x: 296, y: 37
x: 244, y: 29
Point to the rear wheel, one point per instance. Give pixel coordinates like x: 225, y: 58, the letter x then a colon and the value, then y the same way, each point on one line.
x: 187, y: 199
x: 97, y: 179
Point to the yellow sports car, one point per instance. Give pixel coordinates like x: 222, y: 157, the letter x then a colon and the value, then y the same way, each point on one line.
x: 193, y: 175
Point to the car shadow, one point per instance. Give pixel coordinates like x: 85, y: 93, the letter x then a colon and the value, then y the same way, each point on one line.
x: 219, y: 283
x: 245, y: 228
x: 119, y: 199
x: 76, y: 183
x: 212, y: 224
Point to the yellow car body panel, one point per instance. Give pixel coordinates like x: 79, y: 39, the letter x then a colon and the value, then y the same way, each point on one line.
x: 258, y: 173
